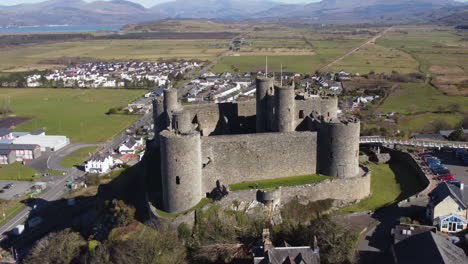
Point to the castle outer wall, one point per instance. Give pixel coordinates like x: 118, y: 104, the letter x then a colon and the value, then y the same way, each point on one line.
x: 240, y: 158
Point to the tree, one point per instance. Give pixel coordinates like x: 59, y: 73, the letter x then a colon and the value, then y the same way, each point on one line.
x: 121, y: 213
x: 457, y: 135
x: 61, y: 247
x: 464, y: 123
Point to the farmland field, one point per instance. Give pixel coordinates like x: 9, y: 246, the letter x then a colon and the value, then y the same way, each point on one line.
x: 441, y: 51
x: 378, y: 59
x: 420, y: 97
x: 78, y: 114
x: 29, y: 57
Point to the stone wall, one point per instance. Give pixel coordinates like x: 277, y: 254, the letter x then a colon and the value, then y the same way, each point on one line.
x: 346, y: 190
x: 239, y: 158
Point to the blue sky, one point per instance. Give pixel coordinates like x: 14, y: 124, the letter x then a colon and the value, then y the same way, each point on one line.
x: 147, y: 3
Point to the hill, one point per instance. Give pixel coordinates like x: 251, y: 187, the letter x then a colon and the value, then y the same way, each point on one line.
x: 75, y: 12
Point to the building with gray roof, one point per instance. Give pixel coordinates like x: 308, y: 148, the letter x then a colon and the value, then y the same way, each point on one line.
x: 428, y: 247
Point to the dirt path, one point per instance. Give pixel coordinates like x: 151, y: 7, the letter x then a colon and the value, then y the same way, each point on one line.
x: 353, y: 50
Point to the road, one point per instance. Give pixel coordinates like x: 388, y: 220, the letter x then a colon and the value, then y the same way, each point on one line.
x: 371, y: 40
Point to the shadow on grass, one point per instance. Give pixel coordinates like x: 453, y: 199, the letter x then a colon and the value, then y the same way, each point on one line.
x: 408, y: 179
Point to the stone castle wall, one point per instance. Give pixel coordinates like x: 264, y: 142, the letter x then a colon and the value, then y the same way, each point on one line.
x: 239, y: 158
x: 346, y: 190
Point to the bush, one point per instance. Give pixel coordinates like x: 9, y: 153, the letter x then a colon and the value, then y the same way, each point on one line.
x: 92, y: 179
x: 112, y: 111
x: 457, y: 135
x: 121, y: 213
x: 61, y: 247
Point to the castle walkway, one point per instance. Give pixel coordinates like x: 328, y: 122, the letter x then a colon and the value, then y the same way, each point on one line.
x: 414, y: 142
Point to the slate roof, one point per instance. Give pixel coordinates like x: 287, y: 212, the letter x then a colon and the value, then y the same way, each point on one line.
x: 292, y: 255
x: 4, y: 132
x: 400, y: 232
x: 99, y: 157
x: 445, y: 189
x: 130, y: 142
x: 5, y: 151
x: 429, y: 247
x: 18, y: 146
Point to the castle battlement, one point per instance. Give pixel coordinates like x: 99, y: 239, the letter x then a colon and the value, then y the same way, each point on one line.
x: 203, y: 147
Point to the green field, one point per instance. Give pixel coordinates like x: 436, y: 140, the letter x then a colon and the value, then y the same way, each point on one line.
x: 418, y: 122
x: 77, y: 114
x: 420, y: 97
x: 77, y: 157
x: 441, y: 52
x: 273, y: 183
x: 390, y: 183
x: 378, y: 59
x: 18, y: 171
x: 29, y: 57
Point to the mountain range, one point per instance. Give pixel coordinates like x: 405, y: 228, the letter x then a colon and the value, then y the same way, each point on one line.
x: 119, y: 12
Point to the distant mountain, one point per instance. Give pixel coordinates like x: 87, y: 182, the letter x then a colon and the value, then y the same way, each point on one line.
x: 361, y: 11
x: 213, y: 8
x: 80, y: 12
x: 75, y: 12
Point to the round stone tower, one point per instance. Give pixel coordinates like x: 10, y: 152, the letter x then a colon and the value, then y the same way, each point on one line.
x: 285, y: 108
x: 338, y: 148
x: 265, y: 88
x: 181, y: 170
x: 181, y: 121
x: 158, y: 116
x: 171, y: 104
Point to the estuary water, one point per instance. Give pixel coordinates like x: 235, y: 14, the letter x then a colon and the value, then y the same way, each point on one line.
x: 47, y: 29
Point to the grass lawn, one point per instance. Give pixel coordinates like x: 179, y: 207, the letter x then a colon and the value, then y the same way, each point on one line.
x: 11, y: 209
x: 420, y: 97
x: 390, y: 183
x: 199, y: 205
x: 77, y: 114
x: 78, y: 156
x: 273, y: 183
x: 18, y: 171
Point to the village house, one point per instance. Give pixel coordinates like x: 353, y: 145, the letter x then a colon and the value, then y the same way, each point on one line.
x: 269, y: 254
x: 427, y: 247
x: 23, y: 152
x: 130, y: 145
x: 99, y: 163
x: 7, y: 156
x: 448, y: 206
x: 5, y: 134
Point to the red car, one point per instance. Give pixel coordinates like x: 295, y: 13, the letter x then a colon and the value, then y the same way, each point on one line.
x: 446, y: 177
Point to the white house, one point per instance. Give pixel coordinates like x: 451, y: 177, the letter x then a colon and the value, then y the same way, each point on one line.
x: 99, y: 163
x: 130, y: 145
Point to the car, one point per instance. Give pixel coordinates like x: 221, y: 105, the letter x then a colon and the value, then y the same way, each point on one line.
x: 455, y: 182
x: 465, y: 161
x: 433, y: 162
x: 441, y: 171
x: 446, y: 177
x: 438, y: 167
x: 425, y: 154
x: 8, y: 186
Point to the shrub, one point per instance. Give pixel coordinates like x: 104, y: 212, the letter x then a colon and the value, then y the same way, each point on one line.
x: 92, y: 179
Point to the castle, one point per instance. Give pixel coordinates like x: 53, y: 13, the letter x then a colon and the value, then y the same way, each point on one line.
x: 280, y: 134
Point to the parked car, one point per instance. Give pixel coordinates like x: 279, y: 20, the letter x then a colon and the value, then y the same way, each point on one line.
x: 455, y: 182
x: 433, y: 162
x: 442, y: 171
x: 465, y: 161
x: 8, y: 186
x: 446, y: 177
x: 435, y: 167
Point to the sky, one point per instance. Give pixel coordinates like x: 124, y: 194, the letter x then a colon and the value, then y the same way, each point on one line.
x: 147, y: 3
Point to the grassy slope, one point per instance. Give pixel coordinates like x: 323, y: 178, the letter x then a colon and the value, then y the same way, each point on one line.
x: 17, y: 171
x: 288, y: 181
x: 78, y: 156
x: 389, y: 183
x: 78, y: 114
x: 420, y: 121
